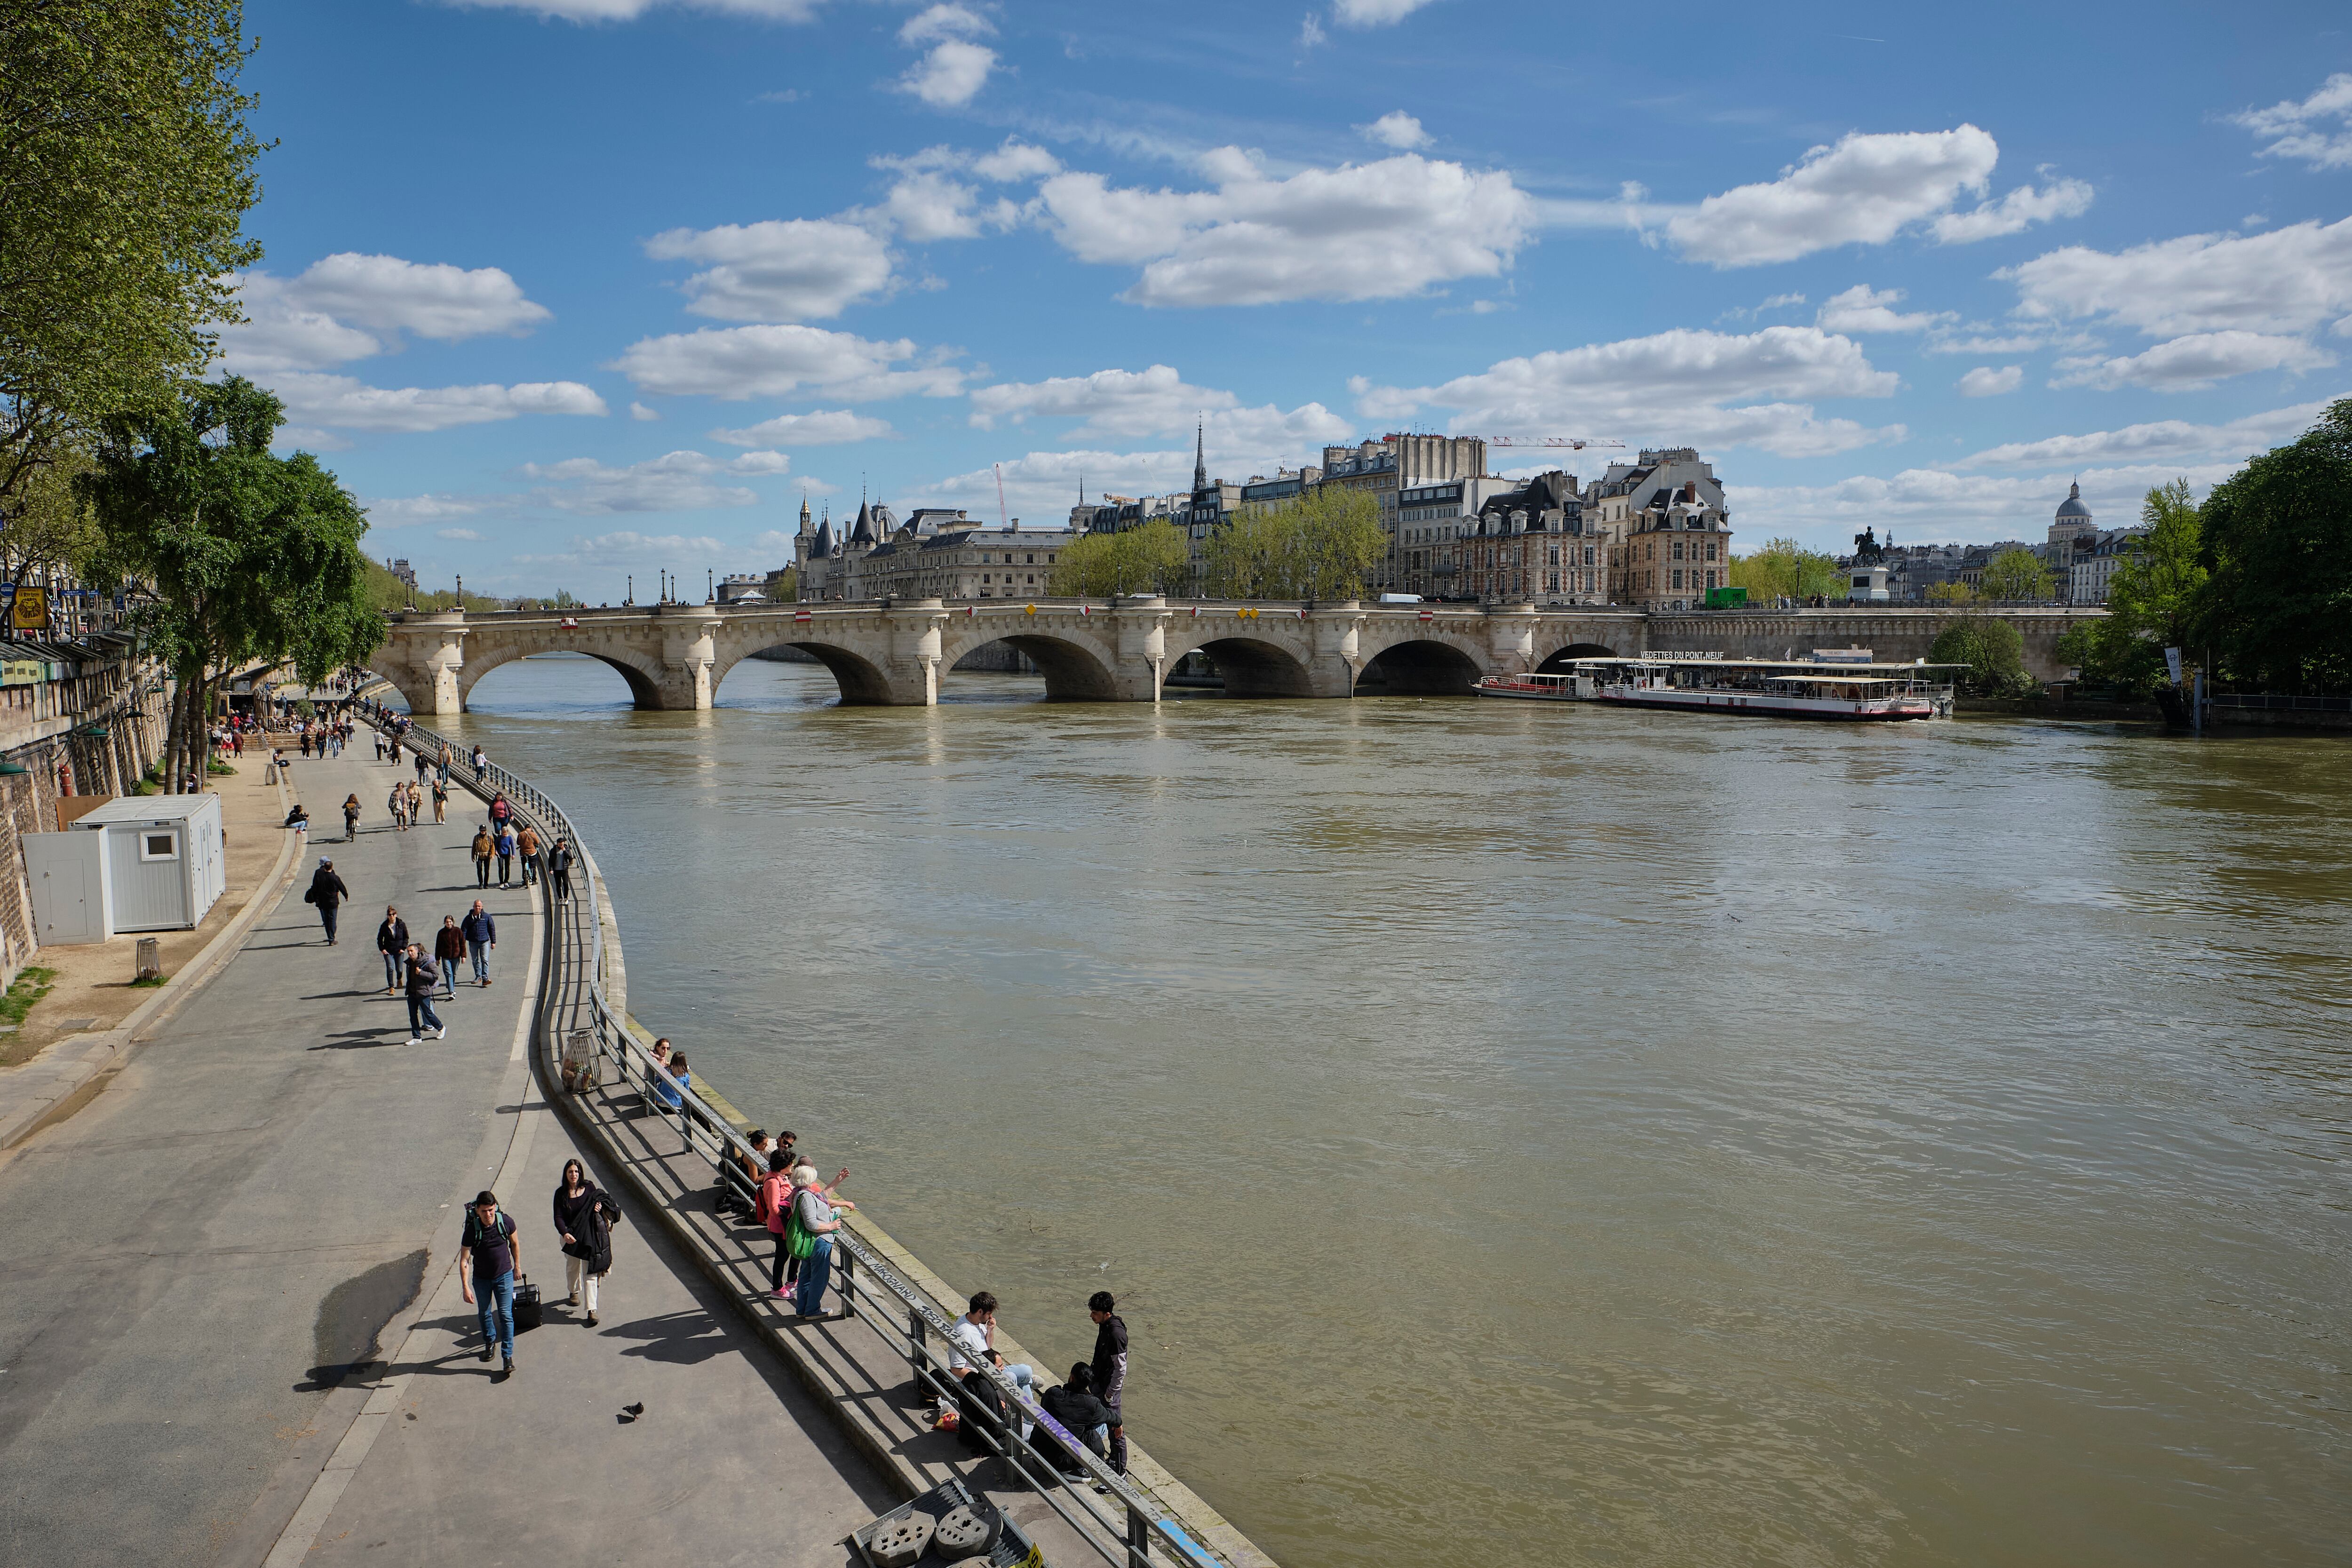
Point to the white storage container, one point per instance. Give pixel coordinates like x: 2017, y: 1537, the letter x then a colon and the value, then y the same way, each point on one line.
x: 165, y: 859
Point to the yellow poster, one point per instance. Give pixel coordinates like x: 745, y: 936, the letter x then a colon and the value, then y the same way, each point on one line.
x: 30, y: 612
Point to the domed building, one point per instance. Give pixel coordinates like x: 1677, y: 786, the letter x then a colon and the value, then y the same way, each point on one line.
x: 2074, y: 519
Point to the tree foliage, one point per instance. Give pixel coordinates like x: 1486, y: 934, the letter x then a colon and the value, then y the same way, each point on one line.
x: 1783, y: 569
x: 2276, y: 610
x: 247, y: 555
x: 1151, y: 558
x: 125, y: 172
x: 1993, y: 650
x: 2151, y: 599
x: 1317, y: 547
x: 2016, y: 576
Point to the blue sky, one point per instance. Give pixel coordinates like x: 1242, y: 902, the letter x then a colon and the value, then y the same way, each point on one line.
x: 572, y: 289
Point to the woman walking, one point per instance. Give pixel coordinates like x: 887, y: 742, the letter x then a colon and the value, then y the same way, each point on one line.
x: 441, y: 797
x: 415, y: 803
x: 398, y: 804
x: 587, y: 1235
x: 350, y: 816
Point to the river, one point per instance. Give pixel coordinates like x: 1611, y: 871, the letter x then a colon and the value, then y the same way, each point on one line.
x: 1531, y: 1133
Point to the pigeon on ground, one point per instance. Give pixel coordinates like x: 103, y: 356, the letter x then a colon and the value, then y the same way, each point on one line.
x: 636, y: 1409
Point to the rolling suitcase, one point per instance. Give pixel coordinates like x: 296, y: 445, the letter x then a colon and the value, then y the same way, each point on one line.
x: 526, y: 1305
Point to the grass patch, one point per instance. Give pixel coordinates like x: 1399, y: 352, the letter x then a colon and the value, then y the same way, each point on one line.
x: 146, y: 786
x: 32, y: 984
x: 150, y: 983
x: 216, y: 766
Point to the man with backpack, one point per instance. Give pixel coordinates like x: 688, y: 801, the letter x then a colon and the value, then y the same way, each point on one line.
x: 487, y: 1259
x: 481, y: 933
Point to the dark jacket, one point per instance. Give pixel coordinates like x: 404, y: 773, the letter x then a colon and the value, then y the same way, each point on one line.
x: 559, y: 857
x: 1079, y: 1415
x: 580, y: 1218
x: 449, y: 943
x: 326, y: 888
x: 391, y: 936
x: 478, y: 927
x: 424, y: 975
x: 1110, y: 1361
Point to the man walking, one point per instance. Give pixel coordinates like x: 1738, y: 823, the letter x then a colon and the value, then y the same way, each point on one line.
x: 527, y: 846
x: 483, y: 846
x: 422, y: 973
x: 1110, y: 1369
x: 559, y: 868
x: 487, y: 1258
x: 449, y: 947
x: 506, y: 848
x: 328, y: 893
x: 398, y: 804
x: 391, y: 941
x: 481, y: 933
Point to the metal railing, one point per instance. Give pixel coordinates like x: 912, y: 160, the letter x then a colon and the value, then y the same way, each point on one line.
x: 874, y: 1290
x: 2287, y: 702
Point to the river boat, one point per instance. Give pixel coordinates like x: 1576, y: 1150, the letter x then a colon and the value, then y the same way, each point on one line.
x: 1531, y: 688
x: 1838, y: 691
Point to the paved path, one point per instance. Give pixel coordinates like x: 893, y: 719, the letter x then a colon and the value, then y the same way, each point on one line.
x: 195, y: 1271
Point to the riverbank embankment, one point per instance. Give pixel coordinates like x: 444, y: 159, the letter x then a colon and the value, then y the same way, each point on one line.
x: 855, y: 1362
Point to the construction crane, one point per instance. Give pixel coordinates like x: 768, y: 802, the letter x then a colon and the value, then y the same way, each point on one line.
x: 1576, y: 443
x: 1003, y: 511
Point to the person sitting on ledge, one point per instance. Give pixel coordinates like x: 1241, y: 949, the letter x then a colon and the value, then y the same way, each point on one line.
x: 299, y: 819
x: 1081, y: 1414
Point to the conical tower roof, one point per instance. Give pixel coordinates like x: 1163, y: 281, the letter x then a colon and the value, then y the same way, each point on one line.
x: 824, y: 545
x: 864, y: 533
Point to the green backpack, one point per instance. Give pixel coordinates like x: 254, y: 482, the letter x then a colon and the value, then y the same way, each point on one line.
x: 799, y: 1240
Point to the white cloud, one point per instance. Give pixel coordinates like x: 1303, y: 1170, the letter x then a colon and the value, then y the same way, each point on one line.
x: 1860, y: 309
x: 1398, y: 130
x: 1016, y: 161
x: 945, y: 21
x: 778, y: 361
x: 952, y: 75
x: 2014, y: 212
x: 2165, y: 440
x: 279, y: 333
x: 342, y: 400
x: 2193, y: 363
x: 781, y: 269
x: 1311, y: 31
x: 1681, y: 386
x: 1373, y: 13
x: 1981, y: 342
x: 1864, y: 191
x: 462, y: 534
x: 825, y: 428
x: 1986, y: 381
x: 2299, y: 129
x: 430, y: 300
x: 764, y: 463
x: 2289, y: 280
x: 954, y: 70
x: 316, y: 319
x: 1365, y: 231
x: 1156, y: 401
x: 639, y: 412
x: 1384, y: 403
x: 1040, y: 487
x: 676, y: 482
x: 630, y: 10
x: 406, y: 511
x: 1933, y: 506
x: 630, y: 549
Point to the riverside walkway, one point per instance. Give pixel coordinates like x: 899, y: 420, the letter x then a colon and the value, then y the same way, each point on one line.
x: 229, y: 1325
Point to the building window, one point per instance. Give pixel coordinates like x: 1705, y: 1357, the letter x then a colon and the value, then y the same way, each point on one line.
x: 1677, y: 583
x: 1710, y: 552
x: 1679, y: 556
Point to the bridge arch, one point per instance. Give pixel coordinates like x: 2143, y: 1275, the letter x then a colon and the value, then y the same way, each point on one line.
x: 1420, y: 666
x: 1557, y: 659
x: 1076, y: 668
x: 643, y: 684
x: 862, y: 681
x: 1250, y: 666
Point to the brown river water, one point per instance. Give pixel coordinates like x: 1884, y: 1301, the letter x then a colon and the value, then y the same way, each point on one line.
x: 1529, y: 1134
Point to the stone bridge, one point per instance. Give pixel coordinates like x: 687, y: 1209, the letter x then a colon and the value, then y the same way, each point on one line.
x: 895, y: 651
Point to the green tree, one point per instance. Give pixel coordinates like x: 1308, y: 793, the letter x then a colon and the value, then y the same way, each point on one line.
x: 1783, y: 569
x: 1994, y: 652
x: 2016, y: 576
x: 1952, y: 594
x: 2277, y: 609
x: 125, y: 172
x: 246, y: 556
x: 2151, y: 599
x: 1317, y: 547
x: 1151, y: 558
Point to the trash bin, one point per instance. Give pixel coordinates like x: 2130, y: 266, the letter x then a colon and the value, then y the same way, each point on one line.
x: 151, y: 959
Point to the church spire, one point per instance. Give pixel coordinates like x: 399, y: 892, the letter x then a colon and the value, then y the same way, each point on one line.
x: 1201, y: 456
